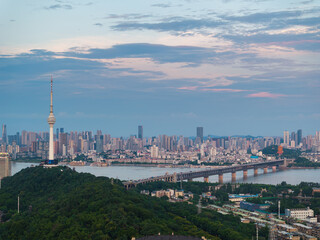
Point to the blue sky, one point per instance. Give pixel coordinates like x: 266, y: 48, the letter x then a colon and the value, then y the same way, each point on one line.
x: 233, y: 67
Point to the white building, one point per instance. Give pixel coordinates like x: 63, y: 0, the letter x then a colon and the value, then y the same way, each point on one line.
x: 300, y: 213
x: 154, y: 152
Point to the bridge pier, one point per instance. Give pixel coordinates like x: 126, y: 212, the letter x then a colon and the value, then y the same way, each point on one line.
x: 234, y: 177
x: 245, y: 174
x: 216, y: 171
x: 284, y: 166
x: 206, y: 179
x: 174, y: 177
x: 221, y: 178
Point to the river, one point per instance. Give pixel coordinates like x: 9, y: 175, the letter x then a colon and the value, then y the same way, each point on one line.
x: 292, y: 176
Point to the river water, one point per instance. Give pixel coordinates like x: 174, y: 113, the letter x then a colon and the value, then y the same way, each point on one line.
x: 293, y: 176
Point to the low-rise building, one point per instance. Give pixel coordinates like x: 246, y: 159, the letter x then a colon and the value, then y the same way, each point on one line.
x: 315, y: 190
x: 303, y: 228
x: 283, y: 235
x: 253, y: 206
x: 299, y: 213
x: 304, y: 236
x: 241, y: 197
x: 286, y: 228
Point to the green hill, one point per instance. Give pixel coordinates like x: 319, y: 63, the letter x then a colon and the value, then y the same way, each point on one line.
x: 59, y: 203
x: 287, y: 153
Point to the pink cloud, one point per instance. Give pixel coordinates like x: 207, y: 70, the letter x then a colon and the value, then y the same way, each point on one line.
x: 191, y: 88
x: 223, y: 90
x: 289, y: 43
x: 265, y: 95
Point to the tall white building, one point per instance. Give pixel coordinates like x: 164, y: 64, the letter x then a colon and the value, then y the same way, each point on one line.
x: 286, y: 138
x: 51, y: 121
x: 300, y: 213
x: 154, y: 152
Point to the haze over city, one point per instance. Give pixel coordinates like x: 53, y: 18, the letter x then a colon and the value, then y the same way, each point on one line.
x: 233, y: 67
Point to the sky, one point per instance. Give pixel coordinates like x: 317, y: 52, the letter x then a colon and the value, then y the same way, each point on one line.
x: 248, y: 67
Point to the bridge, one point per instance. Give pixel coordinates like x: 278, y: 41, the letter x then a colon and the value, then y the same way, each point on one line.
x: 176, y: 177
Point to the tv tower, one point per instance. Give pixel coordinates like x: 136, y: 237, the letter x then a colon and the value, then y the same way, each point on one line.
x: 51, y: 121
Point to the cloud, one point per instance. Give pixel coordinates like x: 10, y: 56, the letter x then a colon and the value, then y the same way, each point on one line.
x: 275, y: 39
x: 307, y: 2
x: 177, y: 25
x: 59, y: 6
x: 161, y: 5
x: 191, y: 88
x: 158, y: 52
x: 128, y: 16
x: 265, y: 95
x: 223, y: 90
x: 262, y: 17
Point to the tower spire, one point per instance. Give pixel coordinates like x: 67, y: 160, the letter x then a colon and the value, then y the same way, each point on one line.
x: 51, y: 105
x: 51, y: 121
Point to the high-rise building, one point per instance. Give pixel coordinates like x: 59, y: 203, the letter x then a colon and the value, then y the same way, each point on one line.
x: 200, y: 133
x: 286, y: 138
x: 299, y: 137
x: 317, y: 136
x: 63, y: 141
x: 294, y: 137
x: 51, y: 121
x: 57, y: 133
x: 140, y: 132
x: 4, y: 133
x: 99, y: 143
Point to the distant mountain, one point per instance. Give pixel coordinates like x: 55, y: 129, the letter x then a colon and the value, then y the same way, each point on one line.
x: 235, y: 136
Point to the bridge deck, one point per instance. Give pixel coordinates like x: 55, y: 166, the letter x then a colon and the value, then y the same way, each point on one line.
x: 205, y: 173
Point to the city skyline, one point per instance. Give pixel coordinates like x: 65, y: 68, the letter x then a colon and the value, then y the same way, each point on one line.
x: 233, y: 67
x: 198, y: 132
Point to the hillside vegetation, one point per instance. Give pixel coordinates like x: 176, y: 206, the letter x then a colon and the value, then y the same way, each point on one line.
x: 59, y: 203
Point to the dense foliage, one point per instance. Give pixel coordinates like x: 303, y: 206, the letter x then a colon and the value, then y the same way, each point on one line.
x: 304, y: 162
x: 287, y: 153
x: 59, y: 203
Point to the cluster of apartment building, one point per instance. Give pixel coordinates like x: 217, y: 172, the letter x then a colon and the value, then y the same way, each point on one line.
x: 162, y: 147
x: 295, y: 231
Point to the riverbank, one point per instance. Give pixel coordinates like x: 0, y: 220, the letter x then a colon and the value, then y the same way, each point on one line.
x: 290, y: 175
x: 27, y: 160
x: 303, y: 167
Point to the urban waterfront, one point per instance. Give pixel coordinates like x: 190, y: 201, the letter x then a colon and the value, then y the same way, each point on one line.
x: 292, y: 176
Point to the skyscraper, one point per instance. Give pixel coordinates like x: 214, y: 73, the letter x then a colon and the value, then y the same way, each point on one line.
x: 299, y: 136
x: 57, y: 133
x: 140, y: 132
x: 99, y: 143
x: 286, y: 138
x: 4, y: 133
x: 51, y: 121
x: 200, y: 133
